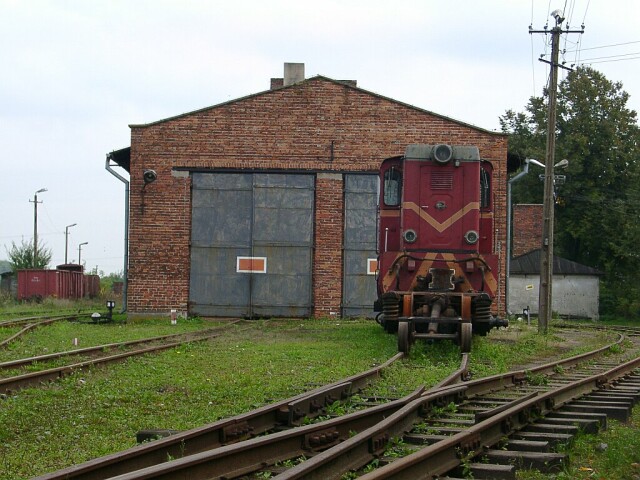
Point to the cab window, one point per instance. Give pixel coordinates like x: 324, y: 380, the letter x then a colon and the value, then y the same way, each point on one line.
x: 485, y: 188
x: 392, y: 187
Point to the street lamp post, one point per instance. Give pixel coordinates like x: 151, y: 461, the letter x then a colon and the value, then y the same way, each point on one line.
x: 35, y: 225
x: 564, y: 163
x: 80, y: 251
x: 511, y: 181
x: 66, y: 241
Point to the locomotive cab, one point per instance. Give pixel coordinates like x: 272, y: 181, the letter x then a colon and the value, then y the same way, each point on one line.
x: 437, y: 269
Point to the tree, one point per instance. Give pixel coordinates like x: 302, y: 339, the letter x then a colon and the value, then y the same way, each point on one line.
x: 597, y: 208
x: 106, y: 282
x: 21, y: 256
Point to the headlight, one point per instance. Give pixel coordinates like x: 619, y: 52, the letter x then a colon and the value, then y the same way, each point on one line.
x: 442, y: 153
x: 471, y: 237
x: 410, y: 236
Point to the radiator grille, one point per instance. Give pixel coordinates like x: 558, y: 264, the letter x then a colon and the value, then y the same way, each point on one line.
x: 441, y: 180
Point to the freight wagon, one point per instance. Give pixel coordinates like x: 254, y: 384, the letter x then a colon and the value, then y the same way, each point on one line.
x: 38, y: 283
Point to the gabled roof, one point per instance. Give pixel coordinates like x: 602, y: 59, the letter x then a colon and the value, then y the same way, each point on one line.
x: 529, y: 264
x: 347, y: 84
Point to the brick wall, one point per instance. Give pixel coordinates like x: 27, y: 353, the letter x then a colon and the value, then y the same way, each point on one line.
x: 327, y: 269
x: 318, y: 125
x: 527, y: 228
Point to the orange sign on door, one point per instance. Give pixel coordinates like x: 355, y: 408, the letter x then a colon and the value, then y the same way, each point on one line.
x: 372, y: 266
x: 251, y: 265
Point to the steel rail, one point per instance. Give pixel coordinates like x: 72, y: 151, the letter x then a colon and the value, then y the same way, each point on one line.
x: 503, y: 380
x: 99, y: 348
x: 215, y: 435
x: 26, y: 329
x: 334, y: 436
x: 235, y: 460
x: 209, y: 460
x: 11, y: 384
x: 47, y: 318
x: 460, y: 375
x: 29, y: 327
x: 445, y: 455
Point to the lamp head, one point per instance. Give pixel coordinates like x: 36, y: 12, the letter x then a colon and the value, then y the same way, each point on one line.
x: 557, y: 14
x: 149, y: 176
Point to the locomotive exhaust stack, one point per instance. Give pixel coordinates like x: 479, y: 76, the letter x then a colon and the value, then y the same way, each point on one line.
x: 436, y: 257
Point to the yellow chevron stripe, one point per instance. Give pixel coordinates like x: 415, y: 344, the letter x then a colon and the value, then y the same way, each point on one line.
x: 489, y: 279
x: 441, y: 227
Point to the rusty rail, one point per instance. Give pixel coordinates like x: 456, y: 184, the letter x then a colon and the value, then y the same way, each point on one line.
x: 97, y: 349
x: 215, y: 435
x: 228, y: 448
x: 354, y: 451
x: 17, y: 382
x: 443, y: 456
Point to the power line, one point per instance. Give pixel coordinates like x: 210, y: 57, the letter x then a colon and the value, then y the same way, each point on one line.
x: 607, y: 46
x: 611, y: 56
x: 585, y: 11
x: 583, y: 62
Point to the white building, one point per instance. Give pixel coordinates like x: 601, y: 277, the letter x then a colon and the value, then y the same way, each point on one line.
x: 576, y: 287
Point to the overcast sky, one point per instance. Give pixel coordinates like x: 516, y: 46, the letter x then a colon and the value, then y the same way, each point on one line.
x: 75, y: 74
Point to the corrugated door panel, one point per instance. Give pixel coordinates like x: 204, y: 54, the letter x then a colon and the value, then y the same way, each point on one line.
x: 286, y: 290
x: 251, y: 215
x: 221, y: 210
x: 283, y: 233
x: 216, y: 288
x: 361, y: 194
x: 221, y: 231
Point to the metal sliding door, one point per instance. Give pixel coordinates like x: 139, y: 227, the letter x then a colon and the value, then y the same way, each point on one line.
x: 251, y: 244
x: 360, y: 208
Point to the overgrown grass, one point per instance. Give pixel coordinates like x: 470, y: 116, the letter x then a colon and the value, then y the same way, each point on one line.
x: 12, y: 308
x: 63, y: 334
x: 92, y: 413
x: 612, y: 455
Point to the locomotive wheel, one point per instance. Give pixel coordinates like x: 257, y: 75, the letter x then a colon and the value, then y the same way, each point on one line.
x: 404, y: 337
x: 464, y: 337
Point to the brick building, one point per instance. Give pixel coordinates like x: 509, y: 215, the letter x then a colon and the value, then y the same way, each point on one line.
x: 528, y: 223
x: 265, y: 205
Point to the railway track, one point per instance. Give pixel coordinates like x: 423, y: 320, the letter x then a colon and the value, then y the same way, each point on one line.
x: 38, y: 319
x: 29, y: 324
x: 15, y: 377
x: 500, y: 418
x: 286, y: 415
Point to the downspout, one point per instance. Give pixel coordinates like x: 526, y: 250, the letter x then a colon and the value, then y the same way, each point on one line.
x: 524, y: 171
x: 107, y: 166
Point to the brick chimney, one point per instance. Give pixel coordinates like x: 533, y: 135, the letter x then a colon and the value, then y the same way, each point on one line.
x: 293, y: 73
x: 527, y: 228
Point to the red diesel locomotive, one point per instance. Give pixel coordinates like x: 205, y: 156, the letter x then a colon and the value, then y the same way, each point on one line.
x: 437, y: 267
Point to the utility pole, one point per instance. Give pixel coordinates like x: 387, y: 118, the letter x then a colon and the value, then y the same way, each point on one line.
x: 546, y: 255
x: 35, y: 225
